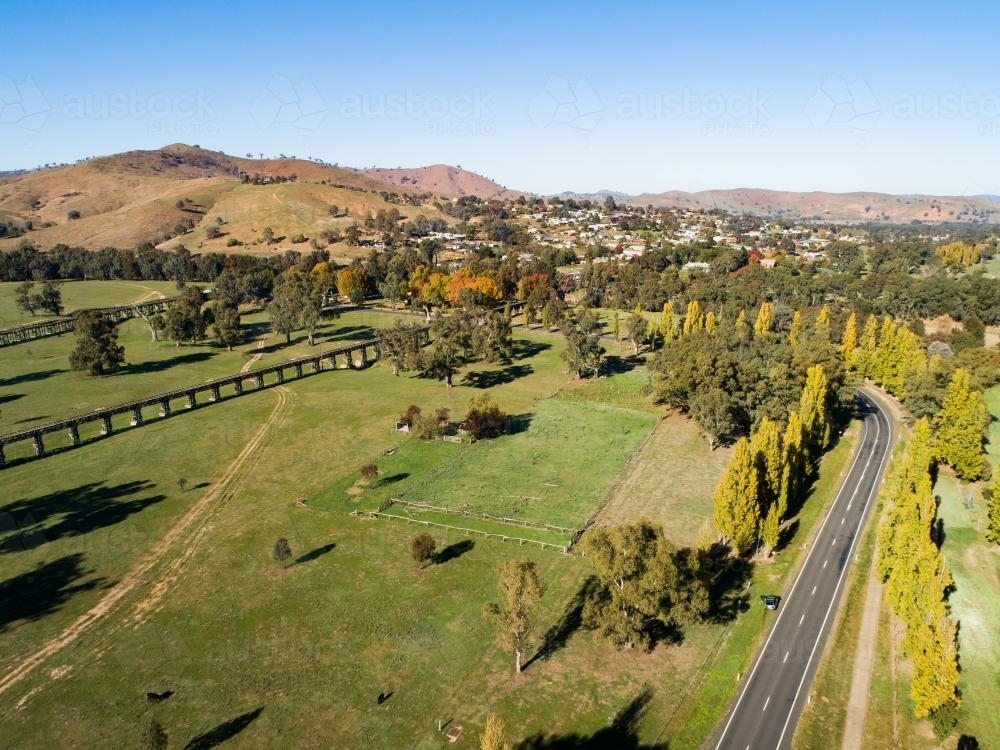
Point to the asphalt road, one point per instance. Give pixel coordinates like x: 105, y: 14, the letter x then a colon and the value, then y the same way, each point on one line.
x: 777, y: 686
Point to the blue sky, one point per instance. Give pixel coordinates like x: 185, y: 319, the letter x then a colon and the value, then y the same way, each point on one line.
x: 542, y: 97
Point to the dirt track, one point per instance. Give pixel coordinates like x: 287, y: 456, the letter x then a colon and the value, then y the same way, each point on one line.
x: 182, y: 539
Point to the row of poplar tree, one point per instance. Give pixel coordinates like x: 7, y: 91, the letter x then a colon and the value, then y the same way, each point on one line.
x: 768, y: 469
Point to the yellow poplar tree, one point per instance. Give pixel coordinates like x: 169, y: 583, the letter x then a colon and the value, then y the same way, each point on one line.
x: 993, y: 509
x: 737, y: 510
x: 960, y: 426
x: 741, y: 321
x: 795, y: 332
x: 770, y: 530
x: 769, y: 452
x: 823, y: 322
x: 763, y: 324
x: 692, y: 317
x: 667, y: 322
x: 813, y: 409
x: 849, y: 342
x: 864, y: 355
x: 710, y: 322
x: 794, y: 463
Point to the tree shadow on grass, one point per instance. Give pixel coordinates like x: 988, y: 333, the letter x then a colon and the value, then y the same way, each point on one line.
x: 30, y: 377
x: 454, y: 551
x: 525, y: 349
x: 490, y: 378
x: 160, y: 365
x: 7, y: 397
x: 559, y: 634
x: 615, y: 365
x: 620, y: 735
x: 392, y: 479
x: 728, y: 578
x: 357, y: 333
x: 39, y: 592
x: 517, y: 423
x: 225, y: 731
x: 80, y: 510
x: 316, y: 553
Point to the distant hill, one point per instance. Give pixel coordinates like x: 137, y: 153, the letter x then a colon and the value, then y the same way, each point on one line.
x: 126, y: 199
x: 450, y: 182
x: 599, y: 196
x: 846, y: 207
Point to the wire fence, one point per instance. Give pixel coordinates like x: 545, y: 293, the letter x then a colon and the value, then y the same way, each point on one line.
x: 484, y: 516
x: 486, y: 534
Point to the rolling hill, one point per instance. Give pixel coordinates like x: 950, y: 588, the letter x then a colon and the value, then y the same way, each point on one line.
x: 848, y: 207
x: 450, y: 182
x: 141, y: 196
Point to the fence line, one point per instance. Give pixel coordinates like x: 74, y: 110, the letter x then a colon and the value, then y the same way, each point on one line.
x: 486, y: 534
x: 484, y: 516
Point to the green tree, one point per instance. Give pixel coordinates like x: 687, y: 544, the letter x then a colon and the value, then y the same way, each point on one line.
x: 636, y: 327
x: 97, y: 350
x: 644, y: 578
x: 23, y: 299
x: 400, y: 343
x: 736, y: 501
x: 583, y: 343
x: 184, y: 321
x: 520, y: 589
x: 226, y: 327
x: 960, y: 427
x: 50, y: 299
x: 712, y: 409
x: 616, y: 328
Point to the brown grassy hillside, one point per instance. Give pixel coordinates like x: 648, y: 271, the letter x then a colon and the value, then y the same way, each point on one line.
x: 130, y: 198
x: 856, y: 206
x: 450, y: 182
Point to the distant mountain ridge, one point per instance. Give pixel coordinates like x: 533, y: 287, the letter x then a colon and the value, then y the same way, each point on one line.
x: 842, y: 207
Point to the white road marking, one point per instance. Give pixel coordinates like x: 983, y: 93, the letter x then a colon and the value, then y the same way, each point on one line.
x: 814, y: 591
x: 801, y: 619
x: 842, y: 521
x: 786, y: 657
x: 766, y: 702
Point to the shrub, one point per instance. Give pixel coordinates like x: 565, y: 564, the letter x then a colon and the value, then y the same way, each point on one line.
x: 73, y: 215
x: 427, y: 426
x: 944, y: 718
x: 484, y: 418
x: 422, y: 548
x: 369, y: 472
x: 411, y: 413
x: 213, y: 232
x: 232, y: 242
x: 298, y: 239
x: 282, y: 551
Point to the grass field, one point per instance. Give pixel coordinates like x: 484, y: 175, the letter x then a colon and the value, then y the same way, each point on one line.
x: 260, y: 654
x: 77, y: 295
